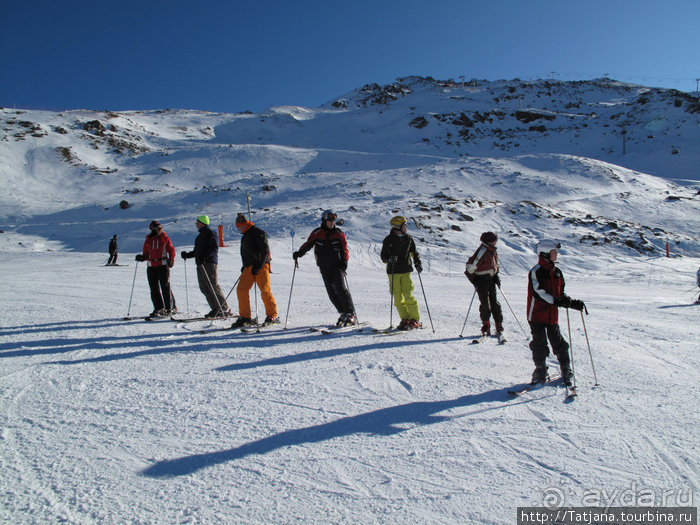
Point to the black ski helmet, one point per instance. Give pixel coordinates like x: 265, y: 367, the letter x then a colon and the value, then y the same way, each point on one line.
x: 328, y: 215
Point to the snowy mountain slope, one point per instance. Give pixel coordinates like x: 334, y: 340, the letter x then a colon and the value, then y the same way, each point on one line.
x: 364, y: 153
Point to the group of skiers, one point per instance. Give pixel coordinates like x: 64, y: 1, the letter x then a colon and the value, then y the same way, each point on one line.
x: 545, y: 280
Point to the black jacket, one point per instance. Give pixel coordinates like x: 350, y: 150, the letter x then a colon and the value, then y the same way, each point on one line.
x: 206, y: 247
x: 255, y: 250
x: 402, y: 248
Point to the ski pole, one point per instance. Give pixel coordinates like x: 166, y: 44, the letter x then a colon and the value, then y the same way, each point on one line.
x: 426, y: 302
x: 391, y: 297
x: 354, y: 312
x: 128, y: 313
x: 187, y: 293
x: 255, y: 291
x: 213, y: 292
x: 595, y: 377
x: 571, y: 350
x: 511, y: 311
x: 468, y: 310
x: 291, y: 288
x: 231, y: 290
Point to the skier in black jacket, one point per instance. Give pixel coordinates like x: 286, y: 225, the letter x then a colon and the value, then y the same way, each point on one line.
x: 255, y: 255
x: 113, y: 252
x: 397, y: 250
x: 331, y: 251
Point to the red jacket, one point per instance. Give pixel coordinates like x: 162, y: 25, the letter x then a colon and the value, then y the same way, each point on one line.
x: 330, y: 246
x: 158, y: 249
x: 484, y: 261
x: 545, y: 285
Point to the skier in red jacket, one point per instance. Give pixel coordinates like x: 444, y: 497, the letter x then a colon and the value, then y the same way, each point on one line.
x: 159, y: 252
x: 545, y: 294
x: 482, y: 272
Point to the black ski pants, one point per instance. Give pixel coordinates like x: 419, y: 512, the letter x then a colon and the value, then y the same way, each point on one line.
x: 540, y: 334
x: 338, y: 293
x: 159, y: 283
x: 209, y: 285
x: 112, y: 258
x: 488, y: 299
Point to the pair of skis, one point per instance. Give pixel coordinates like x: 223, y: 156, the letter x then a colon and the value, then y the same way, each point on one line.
x: 246, y: 329
x: 571, y: 392
x: 334, y: 329
x: 499, y: 335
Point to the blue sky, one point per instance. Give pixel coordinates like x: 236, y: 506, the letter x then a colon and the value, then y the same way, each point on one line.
x: 232, y: 56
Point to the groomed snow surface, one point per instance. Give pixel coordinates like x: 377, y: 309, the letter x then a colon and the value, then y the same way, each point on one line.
x: 113, y: 421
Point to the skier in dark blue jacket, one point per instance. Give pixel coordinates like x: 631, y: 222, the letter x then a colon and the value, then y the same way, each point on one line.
x: 206, y: 256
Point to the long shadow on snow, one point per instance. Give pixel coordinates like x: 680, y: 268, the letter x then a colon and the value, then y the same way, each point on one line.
x: 677, y: 305
x: 382, y: 422
x: 65, y: 325
x: 63, y: 346
x: 325, y: 354
x: 159, y: 343
x: 172, y: 347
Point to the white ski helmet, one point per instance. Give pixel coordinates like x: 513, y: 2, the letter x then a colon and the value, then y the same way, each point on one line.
x: 547, y: 245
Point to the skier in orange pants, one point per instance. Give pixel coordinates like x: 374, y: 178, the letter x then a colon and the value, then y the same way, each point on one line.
x: 255, y: 255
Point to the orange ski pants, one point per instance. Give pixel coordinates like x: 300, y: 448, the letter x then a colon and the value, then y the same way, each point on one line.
x: 262, y: 279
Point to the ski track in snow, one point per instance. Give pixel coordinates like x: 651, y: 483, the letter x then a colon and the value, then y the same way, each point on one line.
x: 106, y: 420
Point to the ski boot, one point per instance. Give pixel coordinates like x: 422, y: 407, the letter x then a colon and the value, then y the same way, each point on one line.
x: 567, y: 375
x: 485, y: 328
x: 242, y: 322
x: 539, y: 375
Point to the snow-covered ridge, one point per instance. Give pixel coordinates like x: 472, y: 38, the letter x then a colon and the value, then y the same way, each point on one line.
x: 525, y: 159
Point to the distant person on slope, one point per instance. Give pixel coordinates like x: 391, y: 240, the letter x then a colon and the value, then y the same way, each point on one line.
x: 255, y: 255
x: 482, y: 272
x: 113, y: 249
x: 159, y: 252
x: 398, y: 248
x: 545, y: 294
x: 331, y: 252
x: 206, y: 256
x: 697, y: 278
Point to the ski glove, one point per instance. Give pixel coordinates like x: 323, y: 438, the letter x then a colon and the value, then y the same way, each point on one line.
x: 497, y: 280
x: 577, y: 304
x: 187, y: 255
x: 171, y: 263
x: 419, y: 267
x: 295, y: 255
x: 140, y: 257
x: 564, y: 301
